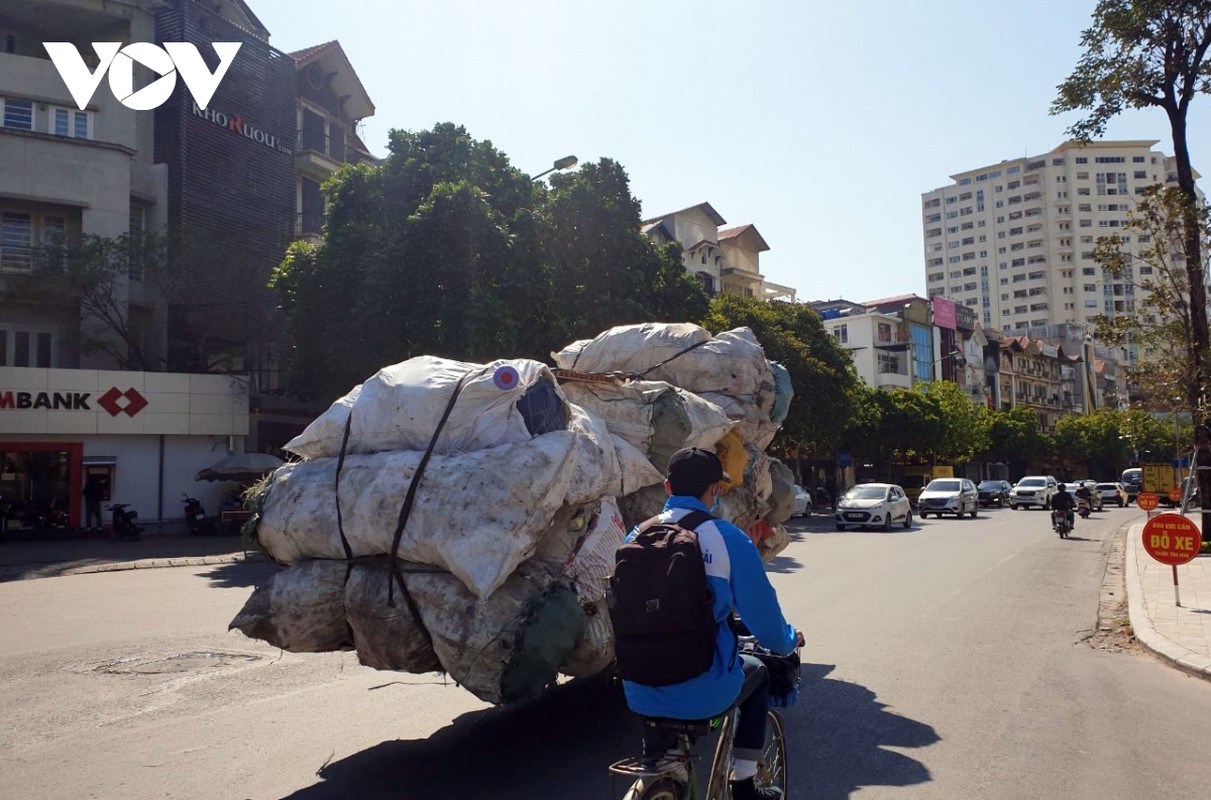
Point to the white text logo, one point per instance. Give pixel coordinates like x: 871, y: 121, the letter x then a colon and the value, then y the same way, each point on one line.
x: 119, y: 62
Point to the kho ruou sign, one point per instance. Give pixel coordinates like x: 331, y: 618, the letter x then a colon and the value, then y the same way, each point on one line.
x: 114, y: 401
x: 236, y: 124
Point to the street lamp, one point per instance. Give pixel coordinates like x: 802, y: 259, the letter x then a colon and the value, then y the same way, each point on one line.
x: 567, y: 162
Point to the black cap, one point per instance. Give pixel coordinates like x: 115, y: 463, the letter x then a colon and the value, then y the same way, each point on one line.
x: 692, y: 471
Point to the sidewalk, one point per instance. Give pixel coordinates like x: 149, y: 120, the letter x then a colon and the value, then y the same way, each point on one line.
x: 1181, y: 635
x: 45, y: 556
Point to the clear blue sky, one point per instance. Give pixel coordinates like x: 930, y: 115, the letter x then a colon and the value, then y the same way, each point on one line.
x: 820, y: 123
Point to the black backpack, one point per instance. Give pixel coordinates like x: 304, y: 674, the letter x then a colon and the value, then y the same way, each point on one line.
x: 660, y: 604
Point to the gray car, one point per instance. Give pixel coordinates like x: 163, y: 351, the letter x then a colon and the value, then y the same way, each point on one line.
x: 956, y: 496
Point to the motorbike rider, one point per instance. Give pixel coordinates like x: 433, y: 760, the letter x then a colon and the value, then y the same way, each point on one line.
x: 1062, y: 501
x: 1083, y: 494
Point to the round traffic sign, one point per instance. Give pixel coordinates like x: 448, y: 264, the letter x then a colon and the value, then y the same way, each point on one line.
x: 1147, y: 501
x: 1175, y: 494
x: 1171, y: 539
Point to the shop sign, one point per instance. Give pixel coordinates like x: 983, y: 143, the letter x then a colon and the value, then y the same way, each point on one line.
x: 129, y: 402
x: 236, y: 124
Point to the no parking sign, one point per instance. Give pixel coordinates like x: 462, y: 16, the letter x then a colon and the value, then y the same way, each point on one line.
x: 1172, y: 539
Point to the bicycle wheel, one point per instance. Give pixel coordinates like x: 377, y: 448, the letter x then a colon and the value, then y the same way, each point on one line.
x: 771, y: 769
x: 721, y: 767
x: 658, y: 789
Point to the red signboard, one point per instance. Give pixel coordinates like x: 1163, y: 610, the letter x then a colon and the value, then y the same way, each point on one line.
x: 943, y: 312
x: 1147, y: 501
x: 1171, y: 539
x: 1175, y: 494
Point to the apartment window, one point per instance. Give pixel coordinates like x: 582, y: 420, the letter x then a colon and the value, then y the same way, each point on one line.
x: 1082, y: 160
x: 1088, y: 271
x: 54, y: 230
x: 17, y: 113
x: 1140, y: 174
x: 71, y: 122
x: 1089, y: 287
x: 841, y: 333
x: 1137, y: 159
x: 16, y: 239
x: 1091, y: 304
x: 1109, y: 160
x: 26, y: 347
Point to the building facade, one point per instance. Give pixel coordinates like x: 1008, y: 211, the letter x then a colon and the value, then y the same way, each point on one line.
x: 227, y: 185
x: 1014, y: 241
x: 726, y: 260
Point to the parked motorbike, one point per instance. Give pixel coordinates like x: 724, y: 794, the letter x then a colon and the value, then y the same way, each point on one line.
x: 124, y: 525
x: 1061, y: 523
x: 195, y: 517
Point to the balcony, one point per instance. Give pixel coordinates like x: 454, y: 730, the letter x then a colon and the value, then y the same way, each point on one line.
x: 319, y: 155
x: 308, y: 224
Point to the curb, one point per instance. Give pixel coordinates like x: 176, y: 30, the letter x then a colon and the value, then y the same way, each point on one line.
x: 34, y: 571
x: 1141, y: 622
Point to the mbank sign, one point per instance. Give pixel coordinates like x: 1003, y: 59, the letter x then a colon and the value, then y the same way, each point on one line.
x: 119, y: 62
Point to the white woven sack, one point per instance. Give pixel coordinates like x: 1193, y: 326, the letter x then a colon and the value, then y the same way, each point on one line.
x: 400, y: 406
x: 477, y: 515
x: 593, y: 564
x: 631, y: 348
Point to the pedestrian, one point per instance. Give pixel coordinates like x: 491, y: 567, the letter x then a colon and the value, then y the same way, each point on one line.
x: 736, y: 579
x: 94, y: 493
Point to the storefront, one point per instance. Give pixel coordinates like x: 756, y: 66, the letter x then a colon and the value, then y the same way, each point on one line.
x: 142, y: 435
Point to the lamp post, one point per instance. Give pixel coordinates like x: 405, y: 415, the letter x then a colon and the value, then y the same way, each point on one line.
x: 567, y: 162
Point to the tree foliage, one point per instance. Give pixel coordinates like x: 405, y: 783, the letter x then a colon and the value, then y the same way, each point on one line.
x: 822, y: 373
x: 447, y: 249
x: 1015, y: 438
x: 1143, y: 54
x: 1163, y: 326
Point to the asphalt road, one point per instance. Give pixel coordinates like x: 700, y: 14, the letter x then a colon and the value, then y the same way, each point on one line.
x: 946, y: 661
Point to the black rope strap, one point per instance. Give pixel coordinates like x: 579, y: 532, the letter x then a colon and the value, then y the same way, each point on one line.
x: 340, y: 528
x: 691, y: 348
x: 410, y: 498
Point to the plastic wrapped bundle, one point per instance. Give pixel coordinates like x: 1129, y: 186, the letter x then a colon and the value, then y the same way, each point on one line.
x: 300, y: 610
x: 655, y: 417
x: 477, y: 515
x: 399, y: 407
x: 782, y: 496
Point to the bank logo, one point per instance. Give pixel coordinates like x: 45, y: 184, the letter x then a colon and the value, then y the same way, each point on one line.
x: 135, y: 402
x: 119, y: 62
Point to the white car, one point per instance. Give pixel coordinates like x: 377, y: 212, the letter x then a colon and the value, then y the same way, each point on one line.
x: 1033, y: 490
x: 956, y: 496
x: 1113, y: 493
x: 803, y: 502
x: 873, y: 505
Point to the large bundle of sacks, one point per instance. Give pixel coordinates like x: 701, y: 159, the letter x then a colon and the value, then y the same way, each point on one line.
x: 463, y: 518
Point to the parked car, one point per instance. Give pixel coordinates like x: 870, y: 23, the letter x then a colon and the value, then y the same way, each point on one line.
x: 1033, y: 490
x: 1113, y: 493
x: 1095, y: 497
x: 994, y: 492
x: 873, y: 505
x: 803, y: 502
x: 956, y: 496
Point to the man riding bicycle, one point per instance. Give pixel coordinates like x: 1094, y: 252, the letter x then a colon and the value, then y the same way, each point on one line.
x: 737, y: 581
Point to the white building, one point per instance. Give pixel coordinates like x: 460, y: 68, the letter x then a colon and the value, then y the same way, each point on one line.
x: 723, y: 260
x: 1014, y: 241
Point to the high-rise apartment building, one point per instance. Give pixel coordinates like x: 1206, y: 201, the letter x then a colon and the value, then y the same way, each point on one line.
x: 1014, y: 241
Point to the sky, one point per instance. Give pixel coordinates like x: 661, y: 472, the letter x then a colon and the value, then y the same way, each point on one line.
x: 819, y: 123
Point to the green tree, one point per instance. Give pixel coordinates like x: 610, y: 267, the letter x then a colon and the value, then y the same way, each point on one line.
x: 1144, y: 54
x: 964, y: 423
x: 1014, y: 437
x: 605, y: 271
x: 447, y: 249
x: 822, y: 374
x: 1094, y: 439
x: 1163, y: 325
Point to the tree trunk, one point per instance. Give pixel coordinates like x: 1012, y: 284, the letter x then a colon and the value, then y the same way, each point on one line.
x: 1197, y: 386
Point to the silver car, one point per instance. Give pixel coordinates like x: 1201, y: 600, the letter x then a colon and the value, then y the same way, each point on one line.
x: 873, y: 505
x: 956, y: 496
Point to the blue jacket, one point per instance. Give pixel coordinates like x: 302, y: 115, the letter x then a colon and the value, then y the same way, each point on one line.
x: 737, y: 580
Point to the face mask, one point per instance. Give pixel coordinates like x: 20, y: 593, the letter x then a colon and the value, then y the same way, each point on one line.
x: 718, y: 504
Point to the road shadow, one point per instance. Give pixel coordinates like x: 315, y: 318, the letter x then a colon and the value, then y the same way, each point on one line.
x: 836, y: 744
x: 253, y: 572
x: 560, y: 745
